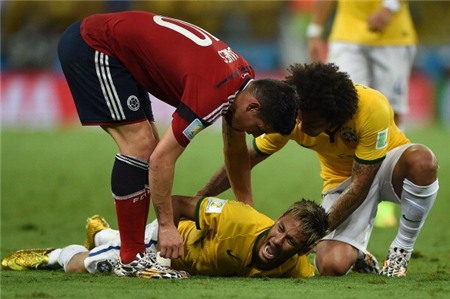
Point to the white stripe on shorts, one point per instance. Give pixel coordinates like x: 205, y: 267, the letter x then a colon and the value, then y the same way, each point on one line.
x: 109, y: 91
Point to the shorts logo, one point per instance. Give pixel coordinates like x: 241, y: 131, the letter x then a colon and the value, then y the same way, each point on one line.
x: 104, y: 267
x: 193, y: 129
x: 133, y: 103
x: 215, y: 205
x: 382, y: 138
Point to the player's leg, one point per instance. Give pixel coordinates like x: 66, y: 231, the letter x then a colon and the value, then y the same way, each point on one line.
x: 351, y: 58
x: 391, y: 67
x: 414, y: 180
x: 106, y: 94
x: 346, y: 247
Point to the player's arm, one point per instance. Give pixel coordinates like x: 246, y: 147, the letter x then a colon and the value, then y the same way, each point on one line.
x: 352, y: 197
x: 237, y: 162
x: 381, y: 18
x: 321, y: 10
x: 162, y: 171
x: 184, y: 207
x: 219, y: 182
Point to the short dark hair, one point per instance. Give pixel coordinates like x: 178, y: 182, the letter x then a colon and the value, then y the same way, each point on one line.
x: 312, y: 217
x: 278, y: 103
x: 324, y: 89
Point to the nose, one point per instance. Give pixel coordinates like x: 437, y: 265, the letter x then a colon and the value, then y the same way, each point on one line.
x: 278, y: 240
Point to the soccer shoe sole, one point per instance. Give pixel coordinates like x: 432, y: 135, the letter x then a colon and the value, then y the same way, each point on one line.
x: 162, y: 274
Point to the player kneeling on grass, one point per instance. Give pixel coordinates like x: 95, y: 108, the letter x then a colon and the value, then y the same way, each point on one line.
x: 221, y: 238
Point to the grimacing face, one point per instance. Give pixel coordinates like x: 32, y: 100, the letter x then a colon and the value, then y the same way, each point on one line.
x: 282, y: 241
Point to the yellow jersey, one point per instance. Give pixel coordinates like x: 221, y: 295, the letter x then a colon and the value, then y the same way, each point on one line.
x: 366, y: 137
x: 222, y: 239
x: 350, y: 25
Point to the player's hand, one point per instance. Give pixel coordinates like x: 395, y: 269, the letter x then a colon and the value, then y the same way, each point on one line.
x: 170, y: 242
x: 379, y: 20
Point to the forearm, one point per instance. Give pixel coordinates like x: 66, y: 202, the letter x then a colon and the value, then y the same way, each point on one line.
x: 161, y: 181
x: 237, y: 163
x: 217, y: 184
x: 347, y: 203
x: 321, y: 10
x: 354, y: 195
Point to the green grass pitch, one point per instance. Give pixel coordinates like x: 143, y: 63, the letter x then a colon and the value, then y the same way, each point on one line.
x: 52, y: 181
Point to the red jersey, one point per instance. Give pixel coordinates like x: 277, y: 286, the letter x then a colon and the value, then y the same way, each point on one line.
x: 179, y: 63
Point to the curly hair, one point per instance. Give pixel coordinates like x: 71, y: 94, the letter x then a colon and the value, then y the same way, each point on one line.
x: 323, y: 88
x: 279, y: 103
x: 313, y: 219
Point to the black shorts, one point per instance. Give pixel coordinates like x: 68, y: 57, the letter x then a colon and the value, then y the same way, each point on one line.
x: 104, y: 91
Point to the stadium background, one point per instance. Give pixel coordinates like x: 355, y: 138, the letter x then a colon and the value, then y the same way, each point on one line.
x: 270, y: 34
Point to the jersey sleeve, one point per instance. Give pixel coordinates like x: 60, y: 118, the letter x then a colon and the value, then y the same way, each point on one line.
x: 375, y: 121
x: 268, y: 144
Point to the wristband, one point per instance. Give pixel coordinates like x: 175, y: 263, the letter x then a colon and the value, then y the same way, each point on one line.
x: 314, y: 31
x: 392, y: 5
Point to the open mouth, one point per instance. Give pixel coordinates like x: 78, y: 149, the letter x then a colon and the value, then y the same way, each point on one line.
x: 268, y: 252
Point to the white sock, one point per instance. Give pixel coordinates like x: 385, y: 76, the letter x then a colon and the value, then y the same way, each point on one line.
x: 415, y: 203
x: 53, y: 257
x: 67, y: 254
x: 105, y: 236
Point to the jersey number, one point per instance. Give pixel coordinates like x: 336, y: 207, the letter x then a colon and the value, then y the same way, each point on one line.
x: 173, y: 24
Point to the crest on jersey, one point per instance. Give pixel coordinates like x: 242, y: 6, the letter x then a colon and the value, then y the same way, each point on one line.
x: 215, y: 205
x: 193, y: 129
x: 349, y: 135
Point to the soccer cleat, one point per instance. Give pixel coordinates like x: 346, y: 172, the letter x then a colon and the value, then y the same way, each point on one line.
x: 396, y: 263
x: 146, y: 266
x: 94, y: 224
x: 28, y: 259
x: 368, y: 264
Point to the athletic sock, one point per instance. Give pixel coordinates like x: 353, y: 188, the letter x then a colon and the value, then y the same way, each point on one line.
x: 53, y: 258
x: 416, y: 203
x: 131, y: 194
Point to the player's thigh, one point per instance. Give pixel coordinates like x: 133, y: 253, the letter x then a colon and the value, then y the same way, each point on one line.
x: 104, y: 91
x: 391, y: 72
x: 350, y: 58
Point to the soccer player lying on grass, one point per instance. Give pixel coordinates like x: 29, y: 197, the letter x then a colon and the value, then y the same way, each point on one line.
x: 221, y: 238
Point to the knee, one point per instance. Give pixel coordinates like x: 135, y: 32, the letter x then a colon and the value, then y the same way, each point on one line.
x: 422, y: 165
x: 335, y: 261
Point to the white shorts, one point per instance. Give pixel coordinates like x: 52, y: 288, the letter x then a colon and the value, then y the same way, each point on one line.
x: 384, y: 68
x: 357, y: 228
x: 103, y: 257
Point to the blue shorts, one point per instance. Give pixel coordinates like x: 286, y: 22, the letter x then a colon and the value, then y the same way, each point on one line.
x: 104, y: 91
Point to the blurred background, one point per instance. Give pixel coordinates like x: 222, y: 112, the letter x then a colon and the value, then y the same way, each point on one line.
x: 270, y: 34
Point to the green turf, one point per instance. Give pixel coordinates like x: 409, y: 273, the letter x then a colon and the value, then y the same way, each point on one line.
x: 52, y: 181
